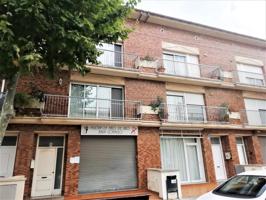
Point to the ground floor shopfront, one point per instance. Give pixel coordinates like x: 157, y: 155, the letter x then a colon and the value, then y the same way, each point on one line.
x: 89, y: 160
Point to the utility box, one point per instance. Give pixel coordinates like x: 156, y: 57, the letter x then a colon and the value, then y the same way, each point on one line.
x: 165, y: 182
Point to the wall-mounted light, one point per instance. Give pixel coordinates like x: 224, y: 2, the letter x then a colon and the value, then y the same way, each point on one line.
x: 60, y: 81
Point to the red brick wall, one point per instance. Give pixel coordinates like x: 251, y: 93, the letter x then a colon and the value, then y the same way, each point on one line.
x: 208, y: 159
x: 26, y: 152
x: 146, y: 39
x: 229, y: 145
x: 72, y: 170
x: 253, y: 149
x: 148, y: 147
x: 44, y: 83
x: 216, y: 97
x: 144, y: 90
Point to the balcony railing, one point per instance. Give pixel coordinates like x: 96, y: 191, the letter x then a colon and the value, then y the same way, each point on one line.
x: 191, y: 70
x: 90, y: 108
x: 117, y: 59
x: 193, y: 114
x: 2, y: 98
x: 254, y: 117
x: 249, y: 78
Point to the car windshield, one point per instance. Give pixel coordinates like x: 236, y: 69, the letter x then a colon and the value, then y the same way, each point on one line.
x: 243, y: 186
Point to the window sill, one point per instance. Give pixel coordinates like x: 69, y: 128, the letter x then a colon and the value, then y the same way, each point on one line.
x: 194, y: 183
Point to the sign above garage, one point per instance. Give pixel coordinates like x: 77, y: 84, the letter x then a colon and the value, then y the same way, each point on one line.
x: 109, y: 130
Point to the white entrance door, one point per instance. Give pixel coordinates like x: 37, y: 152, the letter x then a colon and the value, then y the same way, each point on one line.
x: 241, y: 151
x: 44, y: 172
x: 48, y: 167
x: 218, y: 158
x: 7, y: 156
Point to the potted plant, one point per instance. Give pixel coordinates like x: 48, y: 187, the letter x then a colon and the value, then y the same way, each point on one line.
x: 157, y: 106
x: 224, y: 113
x: 29, y: 104
x: 161, y: 69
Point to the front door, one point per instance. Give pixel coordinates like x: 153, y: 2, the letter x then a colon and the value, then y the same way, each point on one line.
x: 218, y: 159
x: 241, y: 151
x: 47, y: 177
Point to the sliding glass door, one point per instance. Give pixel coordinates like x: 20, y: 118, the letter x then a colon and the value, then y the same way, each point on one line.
x: 92, y: 101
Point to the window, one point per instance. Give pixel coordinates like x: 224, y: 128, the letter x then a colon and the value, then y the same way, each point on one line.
x: 241, y: 151
x: 185, y: 155
x: 51, y: 141
x: 181, y: 64
x: 94, y: 101
x: 195, y: 112
x: 111, y: 55
x: 254, y: 81
x: 243, y: 186
x: 9, y: 141
x: 251, y: 75
x: 185, y: 107
x: 255, y: 111
x: 262, y: 116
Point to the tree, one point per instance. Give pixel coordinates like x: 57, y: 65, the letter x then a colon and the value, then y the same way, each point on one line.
x: 52, y: 34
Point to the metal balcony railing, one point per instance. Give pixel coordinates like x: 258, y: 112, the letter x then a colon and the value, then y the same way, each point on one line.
x: 117, y: 59
x: 190, y: 70
x: 193, y: 113
x: 90, y: 108
x: 2, y: 99
x: 254, y: 117
x: 249, y: 78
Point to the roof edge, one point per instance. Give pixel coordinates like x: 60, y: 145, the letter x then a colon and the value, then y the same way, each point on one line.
x: 147, y: 16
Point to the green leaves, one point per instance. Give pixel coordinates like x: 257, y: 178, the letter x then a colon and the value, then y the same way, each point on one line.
x: 57, y: 33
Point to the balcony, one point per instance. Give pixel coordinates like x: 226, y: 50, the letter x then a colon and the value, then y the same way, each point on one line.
x: 254, y: 117
x: 249, y: 78
x: 90, y: 108
x: 193, y: 114
x: 189, y: 70
x: 117, y: 59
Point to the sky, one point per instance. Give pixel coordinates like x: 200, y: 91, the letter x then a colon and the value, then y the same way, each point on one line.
x: 246, y: 17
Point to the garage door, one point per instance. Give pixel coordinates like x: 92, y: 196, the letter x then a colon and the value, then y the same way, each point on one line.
x: 107, y: 164
x: 7, y: 156
x: 263, y: 148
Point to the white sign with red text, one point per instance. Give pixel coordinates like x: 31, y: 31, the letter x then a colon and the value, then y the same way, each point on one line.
x: 109, y: 130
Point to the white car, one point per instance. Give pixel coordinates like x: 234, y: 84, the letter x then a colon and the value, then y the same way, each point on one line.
x: 246, y: 185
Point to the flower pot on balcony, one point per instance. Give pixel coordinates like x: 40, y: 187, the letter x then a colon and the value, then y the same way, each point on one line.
x: 26, y: 105
x: 161, y: 69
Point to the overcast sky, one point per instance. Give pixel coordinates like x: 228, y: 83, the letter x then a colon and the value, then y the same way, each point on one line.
x: 242, y: 16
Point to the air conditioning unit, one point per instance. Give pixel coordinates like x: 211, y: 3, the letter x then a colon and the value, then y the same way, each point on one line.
x: 164, y: 182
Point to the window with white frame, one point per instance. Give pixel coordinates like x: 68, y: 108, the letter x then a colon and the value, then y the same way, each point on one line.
x: 250, y: 74
x: 95, y: 101
x: 255, y: 111
x: 181, y: 64
x: 183, y: 154
x: 185, y: 107
x: 242, y: 155
x: 111, y: 55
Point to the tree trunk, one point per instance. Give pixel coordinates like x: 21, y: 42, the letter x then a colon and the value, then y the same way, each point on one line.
x: 7, y: 111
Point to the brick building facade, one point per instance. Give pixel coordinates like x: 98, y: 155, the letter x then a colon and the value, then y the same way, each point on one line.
x: 212, y: 104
